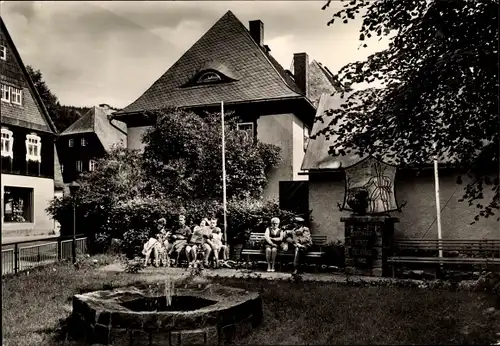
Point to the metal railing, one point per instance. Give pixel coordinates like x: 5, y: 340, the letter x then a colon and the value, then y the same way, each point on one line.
x: 22, y: 256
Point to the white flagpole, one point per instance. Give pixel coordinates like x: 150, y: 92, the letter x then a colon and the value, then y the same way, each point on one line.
x: 438, y: 206
x: 224, y: 172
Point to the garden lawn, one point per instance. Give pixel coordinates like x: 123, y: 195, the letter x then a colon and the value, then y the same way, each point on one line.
x: 35, y: 306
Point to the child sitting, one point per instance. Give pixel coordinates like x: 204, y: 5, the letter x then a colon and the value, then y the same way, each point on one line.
x: 217, y: 242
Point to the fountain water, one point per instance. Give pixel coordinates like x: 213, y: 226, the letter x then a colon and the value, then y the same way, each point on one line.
x: 169, y: 290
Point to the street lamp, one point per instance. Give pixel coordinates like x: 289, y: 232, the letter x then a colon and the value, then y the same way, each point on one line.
x: 73, y: 188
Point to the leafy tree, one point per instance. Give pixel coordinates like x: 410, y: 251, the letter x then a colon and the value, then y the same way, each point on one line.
x: 183, y: 152
x: 118, y: 178
x: 62, y: 116
x: 439, y: 80
x: 48, y: 98
x: 67, y: 115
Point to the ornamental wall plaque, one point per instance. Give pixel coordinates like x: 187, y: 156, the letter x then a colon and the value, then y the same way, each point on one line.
x: 370, y: 187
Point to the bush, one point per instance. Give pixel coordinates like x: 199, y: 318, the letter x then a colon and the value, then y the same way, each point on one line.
x: 489, y: 282
x: 134, y: 220
x: 334, y: 254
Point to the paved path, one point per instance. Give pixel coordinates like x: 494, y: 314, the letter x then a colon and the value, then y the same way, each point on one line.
x: 177, y: 273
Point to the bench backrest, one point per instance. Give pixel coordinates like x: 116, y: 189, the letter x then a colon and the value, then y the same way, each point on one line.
x: 449, y: 244
x: 317, y: 239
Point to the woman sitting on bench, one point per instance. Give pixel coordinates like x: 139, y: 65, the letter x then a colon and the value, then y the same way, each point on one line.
x: 198, y: 242
x: 158, y: 246
x: 274, y: 239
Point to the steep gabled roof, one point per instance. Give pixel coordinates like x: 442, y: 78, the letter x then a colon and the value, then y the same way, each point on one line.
x: 96, y: 121
x: 33, y: 114
x: 58, y: 178
x: 228, y: 42
x: 321, y: 81
x: 317, y: 156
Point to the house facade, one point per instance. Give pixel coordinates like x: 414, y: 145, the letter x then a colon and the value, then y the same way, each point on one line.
x: 414, y: 192
x: 27, y: 148
x: 87, y: 140
x: 231, y: 63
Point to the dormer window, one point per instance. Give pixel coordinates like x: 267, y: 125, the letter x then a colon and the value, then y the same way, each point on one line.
x: 7, y: 143
x: 33, y: 148
x: 211, y: 72
x: 3, y: 52
x: 209, y: 77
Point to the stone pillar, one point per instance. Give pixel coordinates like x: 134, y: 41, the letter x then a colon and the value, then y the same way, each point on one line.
x: 368, y: 242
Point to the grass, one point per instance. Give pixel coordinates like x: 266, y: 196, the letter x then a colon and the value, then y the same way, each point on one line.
x: 35, y: 308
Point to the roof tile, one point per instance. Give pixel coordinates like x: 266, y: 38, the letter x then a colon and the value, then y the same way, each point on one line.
x: 96, y: 121
x: 32, y: 114
x: 228, y: 42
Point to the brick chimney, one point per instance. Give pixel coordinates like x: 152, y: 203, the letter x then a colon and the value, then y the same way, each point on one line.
x: 257, y: 31
x: 301, y: 72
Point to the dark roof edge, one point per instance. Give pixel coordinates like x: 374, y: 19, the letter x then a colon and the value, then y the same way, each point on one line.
x: 26, y: 125
x: 119, y: 114
x: 45, y: 113
x: 405, y: 168
x: 78, y: 133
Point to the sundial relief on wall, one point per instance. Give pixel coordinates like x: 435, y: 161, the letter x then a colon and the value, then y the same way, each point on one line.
x: 372, y: 180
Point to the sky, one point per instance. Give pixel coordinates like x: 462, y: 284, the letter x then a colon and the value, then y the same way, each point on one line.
x: 93, y: 52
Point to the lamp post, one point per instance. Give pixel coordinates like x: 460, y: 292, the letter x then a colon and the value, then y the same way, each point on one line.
x: 73, y: 187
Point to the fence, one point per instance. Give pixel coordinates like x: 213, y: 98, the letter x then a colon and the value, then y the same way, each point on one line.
x: 21, y: 256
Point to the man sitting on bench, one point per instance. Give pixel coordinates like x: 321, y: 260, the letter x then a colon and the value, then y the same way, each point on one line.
x: 178, y: 239
x: 301, y: 239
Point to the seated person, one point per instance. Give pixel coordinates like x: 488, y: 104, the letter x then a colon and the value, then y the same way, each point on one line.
x: 273, y: 240
x: 217, y: 243
x: 301, y: 239
x: 158, y: 244
x: 179, y: 238
x: 197, y: 241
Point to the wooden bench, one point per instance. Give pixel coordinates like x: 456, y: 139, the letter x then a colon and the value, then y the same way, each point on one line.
x: 256, y: 247
x: 455, y: 252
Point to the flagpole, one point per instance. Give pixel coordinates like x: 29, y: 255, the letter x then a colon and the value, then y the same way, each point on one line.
x: 438, y: 206
x: 224, y: 172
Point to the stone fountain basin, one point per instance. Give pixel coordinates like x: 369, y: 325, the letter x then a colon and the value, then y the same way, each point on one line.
x: 199, y: 314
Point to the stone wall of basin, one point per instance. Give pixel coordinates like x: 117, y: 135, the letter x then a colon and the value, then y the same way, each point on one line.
x: 106, y: 322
